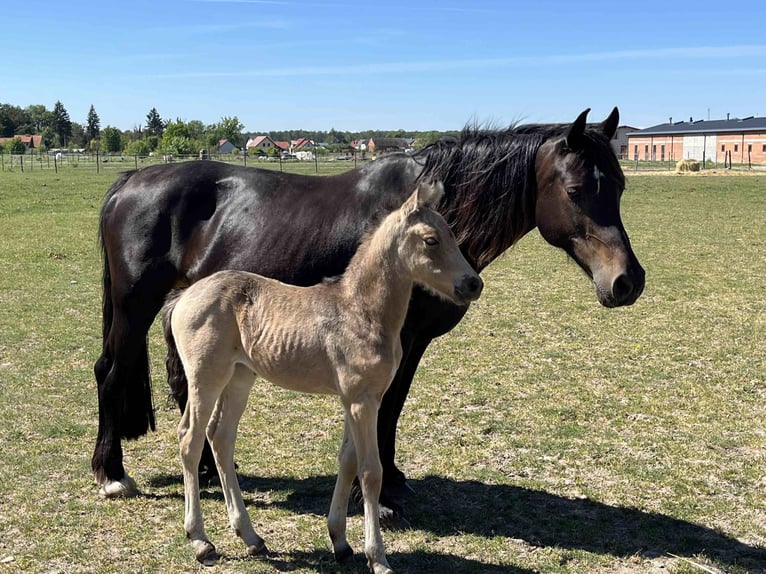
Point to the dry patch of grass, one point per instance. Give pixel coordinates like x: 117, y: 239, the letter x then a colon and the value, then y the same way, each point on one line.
x: 545, y: 434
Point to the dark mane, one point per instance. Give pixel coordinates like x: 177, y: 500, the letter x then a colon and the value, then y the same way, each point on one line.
x: 490, y: 183
x: 489, y: 179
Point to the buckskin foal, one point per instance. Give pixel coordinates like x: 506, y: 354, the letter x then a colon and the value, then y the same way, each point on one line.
x: 339, y: 337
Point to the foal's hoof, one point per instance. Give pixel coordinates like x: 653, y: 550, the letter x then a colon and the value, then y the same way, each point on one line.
x: 344, y: 553
x: 207, y: 554
x: 123, y: 488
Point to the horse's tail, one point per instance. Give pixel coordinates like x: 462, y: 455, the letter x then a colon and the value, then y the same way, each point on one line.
x: 176, y: 376
x: 136, y: 408
x: 107, y: 309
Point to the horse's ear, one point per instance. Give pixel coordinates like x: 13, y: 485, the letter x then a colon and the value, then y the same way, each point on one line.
x: 576, y: 132
x: 609, y: 125
x: 430, y: 194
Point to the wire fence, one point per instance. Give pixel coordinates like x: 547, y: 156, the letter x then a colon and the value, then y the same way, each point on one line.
x: 326, y: 163
x: 629, y: 166
x: 319, y: 164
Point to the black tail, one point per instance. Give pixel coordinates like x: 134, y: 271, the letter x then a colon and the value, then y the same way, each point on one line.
x: 136, y: 408
x: 176, y: 376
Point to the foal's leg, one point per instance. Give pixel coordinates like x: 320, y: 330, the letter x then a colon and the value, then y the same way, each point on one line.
x: 222, y: 435
x: 336, y: 519
x: 363, y: 416
x: 191, y: 437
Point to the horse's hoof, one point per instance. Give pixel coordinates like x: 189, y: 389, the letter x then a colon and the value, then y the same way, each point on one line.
x: 257, y: 549
x: 123, y: 488
x: 343, y: 553
x: 207, y: 555
x: 392, y: 518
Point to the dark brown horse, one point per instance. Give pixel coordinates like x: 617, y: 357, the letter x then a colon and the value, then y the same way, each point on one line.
x: 168, y: 226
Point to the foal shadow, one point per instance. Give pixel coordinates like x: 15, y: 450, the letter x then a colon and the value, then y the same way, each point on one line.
x: 445, y: 507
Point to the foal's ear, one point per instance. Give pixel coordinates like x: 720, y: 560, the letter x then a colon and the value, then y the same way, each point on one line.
x: 426, y: 194
x: 609, y: 125
x: 576, y: 132
x: 430, y: 193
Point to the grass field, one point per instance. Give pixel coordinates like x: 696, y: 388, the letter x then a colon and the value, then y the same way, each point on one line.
x: 544, y: 434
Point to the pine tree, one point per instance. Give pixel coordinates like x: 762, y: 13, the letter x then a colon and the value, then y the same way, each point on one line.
x: 61, y: 124
x: 154, y: 124
x: 93, y: 125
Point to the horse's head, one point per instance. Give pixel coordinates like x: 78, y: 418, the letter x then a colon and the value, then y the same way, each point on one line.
x: 579, y: 186
x: 431, y: 250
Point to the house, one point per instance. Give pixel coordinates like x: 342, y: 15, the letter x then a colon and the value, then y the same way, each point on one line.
x: 260, y: 145
x: 620, y: 141
x: 225, y: 146
x: 740, y: 140
x: 301, y: 144
x: 30, y: 141
x: 389, y: 145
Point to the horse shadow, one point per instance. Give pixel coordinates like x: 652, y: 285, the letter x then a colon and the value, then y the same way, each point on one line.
x: 446, y: 507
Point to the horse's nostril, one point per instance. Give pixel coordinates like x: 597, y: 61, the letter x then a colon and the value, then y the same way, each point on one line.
x: 474, y: 285
x: 622, y: 288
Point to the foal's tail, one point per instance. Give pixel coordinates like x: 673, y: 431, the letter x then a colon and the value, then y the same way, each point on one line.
x: 176, y: 376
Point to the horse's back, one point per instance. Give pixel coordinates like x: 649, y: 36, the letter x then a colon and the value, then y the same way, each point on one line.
x: 196, y: 218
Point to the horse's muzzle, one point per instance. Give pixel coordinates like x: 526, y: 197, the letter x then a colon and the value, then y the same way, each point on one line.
x: 468, y: 288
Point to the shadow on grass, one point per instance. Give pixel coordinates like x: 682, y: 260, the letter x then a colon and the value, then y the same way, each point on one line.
x: 417, y: 562
x: 446, y: 507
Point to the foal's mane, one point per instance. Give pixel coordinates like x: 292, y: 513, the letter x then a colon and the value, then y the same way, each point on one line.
x: 490, y: 183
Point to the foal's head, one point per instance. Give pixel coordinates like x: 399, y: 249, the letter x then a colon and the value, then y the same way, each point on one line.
x: 430, y: 251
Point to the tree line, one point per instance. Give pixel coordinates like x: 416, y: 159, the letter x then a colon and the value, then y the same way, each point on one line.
x: 162, y: 135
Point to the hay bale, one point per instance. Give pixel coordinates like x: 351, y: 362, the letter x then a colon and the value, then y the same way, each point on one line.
x: 687, y: 165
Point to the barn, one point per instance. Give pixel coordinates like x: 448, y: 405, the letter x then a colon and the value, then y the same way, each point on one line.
x: 741, y: 140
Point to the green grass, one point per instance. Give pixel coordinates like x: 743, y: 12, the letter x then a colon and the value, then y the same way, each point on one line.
x: 544, y: 434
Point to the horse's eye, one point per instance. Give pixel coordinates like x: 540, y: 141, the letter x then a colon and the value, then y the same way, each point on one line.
x: 431, y: 241
x: 573, y: 191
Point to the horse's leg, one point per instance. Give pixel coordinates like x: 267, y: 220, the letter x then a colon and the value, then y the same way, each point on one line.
x: 336, y: 518
x: 395, y: 489
x: 362, y: 416
x: 222, y: 436
x: 124, y: 397
x: 191, y: 437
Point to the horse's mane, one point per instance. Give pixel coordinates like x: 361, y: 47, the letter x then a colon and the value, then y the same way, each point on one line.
x: 490, y: 183
x: 489, y: 178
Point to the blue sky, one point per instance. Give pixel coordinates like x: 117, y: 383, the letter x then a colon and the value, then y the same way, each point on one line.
x: 356, y: 65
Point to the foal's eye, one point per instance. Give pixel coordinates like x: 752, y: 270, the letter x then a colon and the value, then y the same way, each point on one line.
x: 431, y: 241
x: 573, y: 191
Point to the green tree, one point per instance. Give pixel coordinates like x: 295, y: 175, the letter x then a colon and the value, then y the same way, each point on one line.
x: 78, y: 139
x: 12, y: 120
x: 177, y: 145
x: 138, y: 147
x: 196, y: 130
x: 155, y: 126
x: 230, y: 129
x: 16, y: 147
x: 111, y: 140
x: 39, y: 116
x: 175, y: 129
x: 92, y: 125
x: 61, y: 124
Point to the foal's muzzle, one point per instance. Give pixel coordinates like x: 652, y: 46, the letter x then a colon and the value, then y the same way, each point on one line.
x: 468, y: 288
